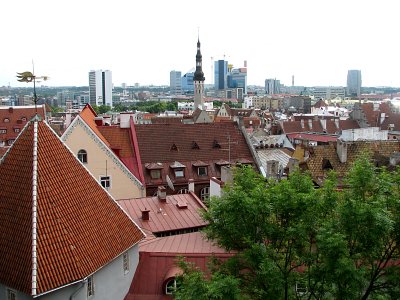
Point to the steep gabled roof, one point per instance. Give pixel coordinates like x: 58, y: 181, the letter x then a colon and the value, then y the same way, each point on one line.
x: 57, y: 224
x: 320, y: 103
x: 88, y: 115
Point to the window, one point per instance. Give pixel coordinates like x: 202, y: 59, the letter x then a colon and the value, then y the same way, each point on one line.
x: 170, y: 287
x: 205, y: 193
x: 11, y: 295
x: 3, y: 130
x: 125, y: 262
x: 301, y: 289
x: 105, y: 182
x: 90, y: 286
x: 16, y: 130
x: 155, y: 174
x: 202, y: 171
x: 10, y: 142
x: 6, y: 120
x: 82, y: 156
x: 179, y: 173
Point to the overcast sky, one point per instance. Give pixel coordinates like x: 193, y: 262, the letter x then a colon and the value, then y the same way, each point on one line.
x: 317, y: 41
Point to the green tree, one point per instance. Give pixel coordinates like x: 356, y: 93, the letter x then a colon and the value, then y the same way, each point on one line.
x: 333, y: 244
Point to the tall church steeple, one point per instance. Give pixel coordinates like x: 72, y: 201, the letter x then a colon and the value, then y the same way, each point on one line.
x: 198, y: 79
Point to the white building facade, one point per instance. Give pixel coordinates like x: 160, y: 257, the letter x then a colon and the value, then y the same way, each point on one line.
x: 100, y: 87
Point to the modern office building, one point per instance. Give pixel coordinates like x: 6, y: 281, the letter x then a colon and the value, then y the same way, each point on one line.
x: 100, y: 87
x: 328, y: 92
x: 237, y: 78
x: 175, y: 82
x: 353, y: 83
x: 272, y: 86
x: 187, y: 83
x: 220, y: 74
x: 198, y: 80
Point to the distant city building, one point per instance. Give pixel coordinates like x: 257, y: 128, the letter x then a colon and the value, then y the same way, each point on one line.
x: 100, y: 87
x: 187, y: 83
x: 272, y: 86
x: 175, y: 82
x: 220, y: 74
x: 198, y: 80
x: 354, y: 83
x: 237, y: 78
x: 328, y: 92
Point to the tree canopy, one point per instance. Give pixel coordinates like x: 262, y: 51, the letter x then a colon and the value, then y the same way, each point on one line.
x: 297, y: 242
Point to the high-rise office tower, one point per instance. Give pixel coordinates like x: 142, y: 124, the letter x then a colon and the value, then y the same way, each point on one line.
x: 353, y: 83
x: 198, y: 80
x: 187, y: 83
x: 237, y: 78
x: 100, y: 87
x: 272, y: 86
x: 220, y: 74
x: 175, y: 82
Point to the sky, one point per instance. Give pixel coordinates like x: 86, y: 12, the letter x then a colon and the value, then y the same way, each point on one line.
x: 317, y: 41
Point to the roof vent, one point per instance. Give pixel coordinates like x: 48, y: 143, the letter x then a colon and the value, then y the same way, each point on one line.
x: 10, y: 109
x: 216, y: 144
x: 174, y: 147
x: 181, y: 204
x: 145, y: 214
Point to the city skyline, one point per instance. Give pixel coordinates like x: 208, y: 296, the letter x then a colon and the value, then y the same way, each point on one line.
x: 316, y: 41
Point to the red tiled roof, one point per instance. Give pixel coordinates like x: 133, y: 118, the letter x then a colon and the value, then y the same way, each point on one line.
x: 313, y: 137
x: 320, y: 103
x: 17, y: 117
x: 155, y: 141
x: 88, y: 115
x: 373, y: 117
x: 331, y: 127
x: 80, y: 228
x: 166, y: 216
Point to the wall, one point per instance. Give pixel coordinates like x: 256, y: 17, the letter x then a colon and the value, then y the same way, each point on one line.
x: 110, y: 283
x: 122, y: 186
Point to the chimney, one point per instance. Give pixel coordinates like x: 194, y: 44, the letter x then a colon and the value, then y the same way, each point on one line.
x: 323, y: 124
x: 145, y: 214
x: 337, y: 123
x: 383, y: 116
x: 310, y: 123
x: 98, y: 121
x: 191, y: 185
x: 10, y: 109
x: 162, y: 193
x: 302, y: 123
x: 341, y: 149
x: 68, y: 119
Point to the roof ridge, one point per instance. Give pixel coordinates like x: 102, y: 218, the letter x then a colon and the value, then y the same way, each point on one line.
x: 34, y: 206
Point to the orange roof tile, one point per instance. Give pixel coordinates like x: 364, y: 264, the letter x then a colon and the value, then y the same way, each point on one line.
x: 88, y: 114
x: 80, y: 228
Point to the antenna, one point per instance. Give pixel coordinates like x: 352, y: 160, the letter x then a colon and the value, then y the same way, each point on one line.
x: 229, y: 143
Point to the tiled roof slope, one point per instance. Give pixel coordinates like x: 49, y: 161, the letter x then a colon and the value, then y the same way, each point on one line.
x: 331, y: 126
x: 119, y: 140
x: 88, y: 115
x: 14, y: 118
x: 354, y: 149
x: 373, y: 117
x: 156, y: 141
x: 80, y: 228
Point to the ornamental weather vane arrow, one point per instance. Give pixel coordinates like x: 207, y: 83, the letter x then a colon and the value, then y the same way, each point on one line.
x: 29, y: 77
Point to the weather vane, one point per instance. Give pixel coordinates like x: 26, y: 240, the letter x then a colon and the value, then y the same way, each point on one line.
x: 29, y: 77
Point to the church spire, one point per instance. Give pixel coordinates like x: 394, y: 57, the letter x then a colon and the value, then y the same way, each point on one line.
x: 198, y: 79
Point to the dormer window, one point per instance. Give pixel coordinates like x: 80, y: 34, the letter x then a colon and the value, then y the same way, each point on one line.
x: 216, y: 145
x: 195, y: 145
x: 6, y: 120
x: 179, y: 173
x: 174, y: 147
x: 17, y: 130
x: 202, y: 171
x: 178, y: 169
x: 155, y: 174
x: 3, y: 130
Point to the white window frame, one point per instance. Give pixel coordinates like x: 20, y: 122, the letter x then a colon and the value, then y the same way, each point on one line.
x: 11, y: 294
x: 170, y: 288
x: 301, y: 289
x: 103, y: 181
x: 125, y: 262
x: 82, y: 153
x: 204, y: 169
x: 205, y: 193
x: 3, y: 131
x: 90, y: 286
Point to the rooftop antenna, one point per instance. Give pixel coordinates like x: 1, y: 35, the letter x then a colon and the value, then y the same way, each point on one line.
x: 229, y: 143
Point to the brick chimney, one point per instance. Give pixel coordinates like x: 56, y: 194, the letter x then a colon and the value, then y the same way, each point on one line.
x: 162, y: 193
x: 145, y: 214
x: 98, y: 121
x: 310, y: 123
x: 191, y: 185
x: 302, y: 123
x: 323, y: 124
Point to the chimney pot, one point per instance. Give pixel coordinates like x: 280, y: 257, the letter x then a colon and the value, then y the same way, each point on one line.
x: 191, y: 185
